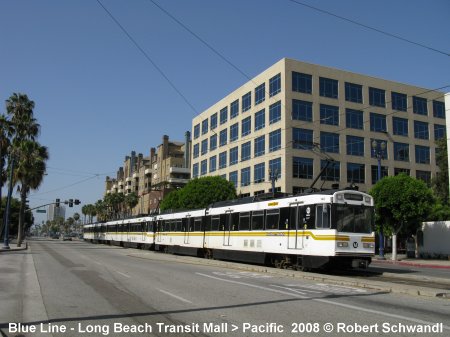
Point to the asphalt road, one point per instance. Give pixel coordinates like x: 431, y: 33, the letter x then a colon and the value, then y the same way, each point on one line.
x: 90, y: 289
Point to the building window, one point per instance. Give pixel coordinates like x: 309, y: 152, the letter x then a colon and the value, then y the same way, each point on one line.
x: 439, y: 131
x: 374, y: 171
x: 212, y: 164
x: 354, y: 119
x: 355, y: 146
x: 275, y: 85
x: 213, y: 142
x: 377, y: 122
x: 329, y: 142
x: 275, y: 167
x: 213, y: 121
x: 233, y: 178
x: 328, y: 87
x: 195, y: 170
x: 222, y: 159
x: 234, y: 132
x: 204, y: 147
x: 400, y: 126
x: 421, y: 130
x: 401, y: 151
x: 422, y: 154
x: 301, y: 110
x: 223, y: 137
x: 438, y: 109
x: 234, y: 156
x: 356, y: 173
x: 260, y: 119
x: 275, y: 140
x: 420, y: 106
x: 399, y: 101
x: 245, y: 176
x: 204, y: 126
x: 353, y: 92
x: 203, y: 167
x: 246, y: 127
x: 301, y: 82
x: 302, y: 139
x: 329, y: 114
x: 246, y: 149
x: 259, y: 172
x: 196, y: 150
x: 302, y: 168
x: 260, y: 146
x: 275, y: 112
x: 234, y: 109
x: 398, y: 171
x: 223, y: 115
x: 196, y: 131
x: 425, y: 176
x: 260, y: 94
x: 332, y: 172
x: 377, y: 97
x: 246, y: 101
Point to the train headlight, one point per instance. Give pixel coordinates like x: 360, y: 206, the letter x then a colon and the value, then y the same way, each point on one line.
x: 368, y: 245
x: 342, y: 244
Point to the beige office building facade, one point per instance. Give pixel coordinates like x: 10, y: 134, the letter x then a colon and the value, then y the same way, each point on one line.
x: 295, y: 119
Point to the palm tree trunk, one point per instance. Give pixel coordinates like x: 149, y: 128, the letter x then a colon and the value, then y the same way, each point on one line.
x: 23, y: 200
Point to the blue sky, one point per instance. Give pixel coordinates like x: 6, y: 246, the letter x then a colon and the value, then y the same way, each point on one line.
x: 98, y: 98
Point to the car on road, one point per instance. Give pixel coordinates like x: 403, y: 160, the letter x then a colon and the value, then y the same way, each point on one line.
x: 67, y: 238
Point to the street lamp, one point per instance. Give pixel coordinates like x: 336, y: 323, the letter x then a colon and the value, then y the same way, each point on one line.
x: 378, y: 150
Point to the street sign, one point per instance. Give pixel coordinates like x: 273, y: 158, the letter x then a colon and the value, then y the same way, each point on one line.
x: 41, y: 211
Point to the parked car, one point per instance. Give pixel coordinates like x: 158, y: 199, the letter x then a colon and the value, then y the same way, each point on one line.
x: 67, y: 238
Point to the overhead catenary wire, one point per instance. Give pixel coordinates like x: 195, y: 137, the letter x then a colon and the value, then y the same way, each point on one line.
x: 370, y: 28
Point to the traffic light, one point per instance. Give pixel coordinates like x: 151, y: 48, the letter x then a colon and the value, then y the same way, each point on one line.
x: 77, y: 202
x: 57, y: 202
x: 70, y: 202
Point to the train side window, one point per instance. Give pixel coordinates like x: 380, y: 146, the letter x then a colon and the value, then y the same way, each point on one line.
x: 244, y: 221
x: 215, y: 223
x: 284, y: 218
x: 272, y: 218
x: 177, y: 226
x: 198, y: 224
x: 234, y: 221
x: 257, y: 220
x: 223, y: 222
x: 323, y: 216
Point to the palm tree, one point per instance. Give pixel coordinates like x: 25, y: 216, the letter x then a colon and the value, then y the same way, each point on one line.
x: 19, y: 109
x: 29, y: 173
x: 5, y: 134
x: 131, y: 200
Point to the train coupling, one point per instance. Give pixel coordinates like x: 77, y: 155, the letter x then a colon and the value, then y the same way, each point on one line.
x: 360, y: 263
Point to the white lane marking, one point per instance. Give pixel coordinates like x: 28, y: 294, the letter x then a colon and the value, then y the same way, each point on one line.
x: 348, y: 306
x: 290, y: 289
x: 123, y: 274
x: 254, y: 286
x: 175, y: 296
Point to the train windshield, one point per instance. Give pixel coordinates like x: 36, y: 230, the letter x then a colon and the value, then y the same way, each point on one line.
x: 353, y: 218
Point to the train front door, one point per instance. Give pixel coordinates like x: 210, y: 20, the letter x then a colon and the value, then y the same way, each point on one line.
x: 296, y: 228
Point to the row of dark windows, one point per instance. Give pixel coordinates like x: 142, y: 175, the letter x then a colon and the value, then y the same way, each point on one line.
x: 246, y: 104
x: 302, y: 168
x: 328, y: 87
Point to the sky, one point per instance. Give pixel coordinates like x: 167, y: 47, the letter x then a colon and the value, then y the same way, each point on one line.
x: 98, y: 97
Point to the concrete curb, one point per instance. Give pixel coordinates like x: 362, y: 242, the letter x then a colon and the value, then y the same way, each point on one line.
x: 337, y: 280
x: 15, y: 249
x: 413, y: 264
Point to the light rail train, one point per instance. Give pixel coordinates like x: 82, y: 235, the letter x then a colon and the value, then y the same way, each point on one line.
x: 322, y: 229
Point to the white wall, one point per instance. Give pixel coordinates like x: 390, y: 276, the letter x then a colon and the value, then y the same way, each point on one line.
x: 436, y: 238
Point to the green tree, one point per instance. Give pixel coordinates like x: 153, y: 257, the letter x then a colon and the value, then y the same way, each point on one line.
x: 401, y: 204
x: 440, y: 182
x: 14, y: 216
x: 199, y: 193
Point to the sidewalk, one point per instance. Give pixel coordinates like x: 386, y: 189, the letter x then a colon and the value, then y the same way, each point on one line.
x: 13, y: 247
x: 402, y: 260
